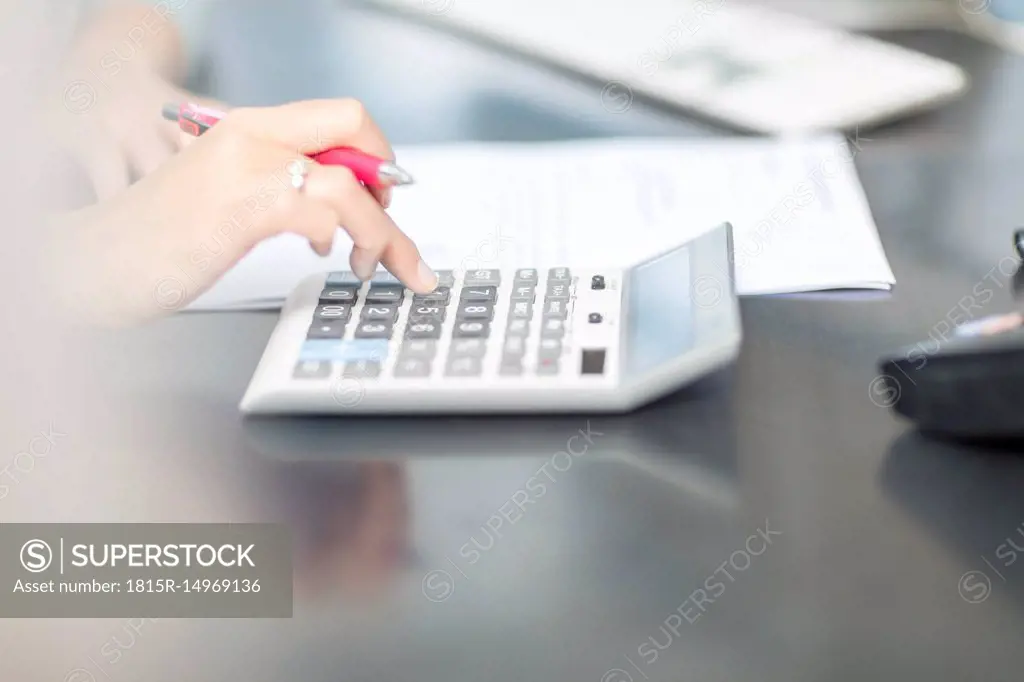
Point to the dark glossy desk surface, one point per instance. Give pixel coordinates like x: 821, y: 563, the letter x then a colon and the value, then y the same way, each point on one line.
x: 877, y: 525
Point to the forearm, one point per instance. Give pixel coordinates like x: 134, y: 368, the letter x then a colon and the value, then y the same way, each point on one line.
x: 113, y: 286
x: 126, y: 32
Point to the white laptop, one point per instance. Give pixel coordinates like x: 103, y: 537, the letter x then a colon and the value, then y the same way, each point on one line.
x: 753, y: 68
x: 528, y: 340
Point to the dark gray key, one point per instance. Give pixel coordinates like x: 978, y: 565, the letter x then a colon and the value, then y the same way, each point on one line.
x: 426, y: 312
x: 464, y: 366
x: 479, y: 294
x: 524, y: 292
x: 423, y: 330
x: 439, y: 296
x: 374, y: 330
x: 518, y: 328
x: 592, y: 361
x: 526, y: 276
x: 520, y: 310
x: 425, y: 349
x: 555, y: 310
x: 482, y: 278
x: 547, y: 366
x: 379, y: 312
x: 475, y: 310
x: 475, y: 348
x: 515, y: 346
x: 472, y: 329
x: 559, y: 275
x: 549, y: 348
x: 362, y: 369
x: 312, y: 369
x: 326, y: 330
x: 557, y: 291
x: 445, y: 278
x: 385, y: 294
x: 412, y: 368
x: 552, y: 329
x: 334, y: 312
x: 347, y: 294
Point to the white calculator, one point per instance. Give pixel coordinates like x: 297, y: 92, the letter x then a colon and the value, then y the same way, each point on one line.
x: 528, y: 340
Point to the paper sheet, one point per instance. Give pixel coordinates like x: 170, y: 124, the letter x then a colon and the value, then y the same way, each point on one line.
x: 801, y: 220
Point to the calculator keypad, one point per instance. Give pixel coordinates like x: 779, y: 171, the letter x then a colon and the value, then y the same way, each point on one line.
x: 468, y: 327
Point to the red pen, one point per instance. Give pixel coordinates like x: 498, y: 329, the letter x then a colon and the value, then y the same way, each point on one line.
x: 368, y: 169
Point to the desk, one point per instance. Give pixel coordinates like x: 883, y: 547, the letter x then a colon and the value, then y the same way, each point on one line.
x: 870, y: 528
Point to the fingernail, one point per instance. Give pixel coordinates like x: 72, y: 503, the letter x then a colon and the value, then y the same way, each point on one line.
x: 364, y: 265
x: 385, y: 197
x: 427, y: 277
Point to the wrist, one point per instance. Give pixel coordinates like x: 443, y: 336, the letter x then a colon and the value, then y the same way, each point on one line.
x: 85, y: 251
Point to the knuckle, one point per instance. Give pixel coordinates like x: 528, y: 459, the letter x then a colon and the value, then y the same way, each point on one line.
x: 242, y: 118
x: 233, y: 141
x: 353, y: 113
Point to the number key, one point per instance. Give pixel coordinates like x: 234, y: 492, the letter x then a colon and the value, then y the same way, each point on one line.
x: 439, y: 296
x: 422, y: 312
x: 385, y: 294
x: 423, y: 330
x: 346, y: 294
x: 480, y: 293
x: 332, y: 313
x: 374, y: 330
x: 385, y: 313
x: 475, y: 310
x: 471, y: 329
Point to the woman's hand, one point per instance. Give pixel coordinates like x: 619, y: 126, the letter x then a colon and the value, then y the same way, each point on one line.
x: 165, y: 240
x: 110, y: 90
x: 115, y: 134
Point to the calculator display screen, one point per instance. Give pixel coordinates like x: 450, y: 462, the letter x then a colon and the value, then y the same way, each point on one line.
x: 660, y: 325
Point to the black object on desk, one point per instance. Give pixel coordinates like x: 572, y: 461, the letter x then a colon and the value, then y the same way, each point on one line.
x: 970, y: 385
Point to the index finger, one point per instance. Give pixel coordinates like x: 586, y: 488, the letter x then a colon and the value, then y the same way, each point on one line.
x: 314, y: 126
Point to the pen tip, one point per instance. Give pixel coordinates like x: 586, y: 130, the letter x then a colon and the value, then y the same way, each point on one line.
x: 394, y: 175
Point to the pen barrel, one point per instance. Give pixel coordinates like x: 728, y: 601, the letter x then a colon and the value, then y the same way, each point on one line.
x: 366, y: 168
